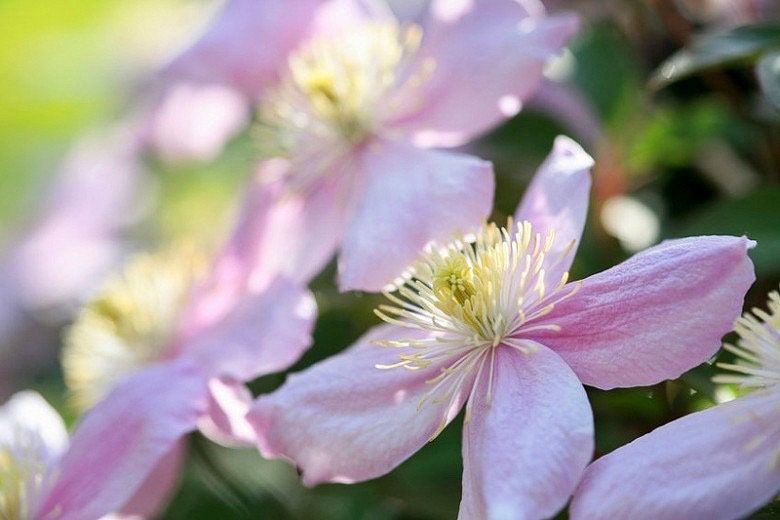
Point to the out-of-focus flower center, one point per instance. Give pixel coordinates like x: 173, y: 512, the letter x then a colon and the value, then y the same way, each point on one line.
x: 336, y: 90
x: 758, y: 348
x: 22, y: 475
x: 129, y: 324
x: 474, y: 296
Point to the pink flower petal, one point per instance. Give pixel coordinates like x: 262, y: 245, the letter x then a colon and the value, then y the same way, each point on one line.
x: 121, y: 441
x: 412, y: 196
x: 656, y: 315
x: 152, y: 496
x: 344, y: 420
x: 488, y: 56
x: 557, y: 199
x: 525, y: 450
x: 225, y: 423
x: 262, y: 334
x: 719, y: 463
x: 247, y: 44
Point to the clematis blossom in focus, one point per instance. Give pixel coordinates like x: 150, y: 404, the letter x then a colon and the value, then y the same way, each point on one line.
x: 723, y: 462
x: 492, y: 322
x: 163, y: 350
x: 351, y: 105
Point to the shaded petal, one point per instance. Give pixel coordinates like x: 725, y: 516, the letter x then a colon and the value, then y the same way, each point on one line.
x: 719, y: 463
x: 526, y: 448
x: 411, y: 197
x: 262, y: 334
x: 158, y: 487
x: 344, y: 420
x: 656, y: 315
x: 488, y: 56
x: 28, y: 423
x: 122, y: 440
x: 225, y: 423
x: 557, y: 200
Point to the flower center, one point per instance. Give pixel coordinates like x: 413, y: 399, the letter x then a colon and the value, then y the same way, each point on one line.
x: 23, y: 474
x: 758, y: 348
x: 13, y: 504
x: 472, y: 297
x: 336, y: 90
x: 129, y: 324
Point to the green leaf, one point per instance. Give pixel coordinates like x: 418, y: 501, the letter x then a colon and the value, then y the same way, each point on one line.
x: 768, y: 70
x: 754, y: 216
x: 713, y: 50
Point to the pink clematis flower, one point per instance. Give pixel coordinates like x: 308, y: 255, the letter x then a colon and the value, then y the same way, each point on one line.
x: 492, y: 323
x: 157, y: 355
x: 723, y: 462
x: 350, y: 103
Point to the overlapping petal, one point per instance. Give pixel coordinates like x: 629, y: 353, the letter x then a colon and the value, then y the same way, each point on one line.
x: 412, y: 196
x: 487, y: 58
x: 151, y: 497
x: 28, y: 419
x: 526, y: 446
x: 642, y: 321
x: 344, y: 420
x: 557, y: 200
x: 719, y: 463
x: 120, y: 442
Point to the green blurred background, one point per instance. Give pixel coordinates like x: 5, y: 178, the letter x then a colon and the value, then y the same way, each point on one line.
x: 696, y: 155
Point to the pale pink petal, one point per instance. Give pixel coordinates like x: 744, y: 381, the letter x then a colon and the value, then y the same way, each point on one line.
x: 719, y: 463
x: 247, y: 45
x: 526, y: 447
x: 29, y: 424
x: 157, y: 489
x: 264, y: 333
x: 226, y: 423
x: 121, y: 441
x: 194, y: 122
x: 488, y: 58
x: 656, y: 315
x: 557, y: 200
x: 279, y: 232
x: 344, y: 420
x: 411, y: 197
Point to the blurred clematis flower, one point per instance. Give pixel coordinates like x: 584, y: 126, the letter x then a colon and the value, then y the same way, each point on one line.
x: 723, y: 462
x: 160, y: 352
x: 492, y: 322
x: 350, y: 106
x: 78, y: 235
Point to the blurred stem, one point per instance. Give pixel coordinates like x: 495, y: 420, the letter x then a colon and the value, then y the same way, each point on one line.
x: 217, y: 477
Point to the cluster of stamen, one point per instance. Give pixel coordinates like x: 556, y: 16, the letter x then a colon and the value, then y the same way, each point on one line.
x: 758, y: 348
x: 129, y: 324
x: 473, y: 297
x: 337, y: 89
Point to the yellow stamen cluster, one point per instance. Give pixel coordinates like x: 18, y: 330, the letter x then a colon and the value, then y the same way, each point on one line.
x: 473, y: 296
x: 336, y: 90
x: 129, y: 324
x: 758, y: 348
x: 21, y: 477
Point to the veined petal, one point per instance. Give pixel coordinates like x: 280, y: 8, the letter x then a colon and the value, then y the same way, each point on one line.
x: 485, y: 59
x: 411, y: 197
x: 656, y: 315
x: 557, y: 200
x: 121, y: 441
x: 719, y: 463
x: 526, y: 448
x: 158, y: 487
x: 262, y: 334
x: 345, y: 420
